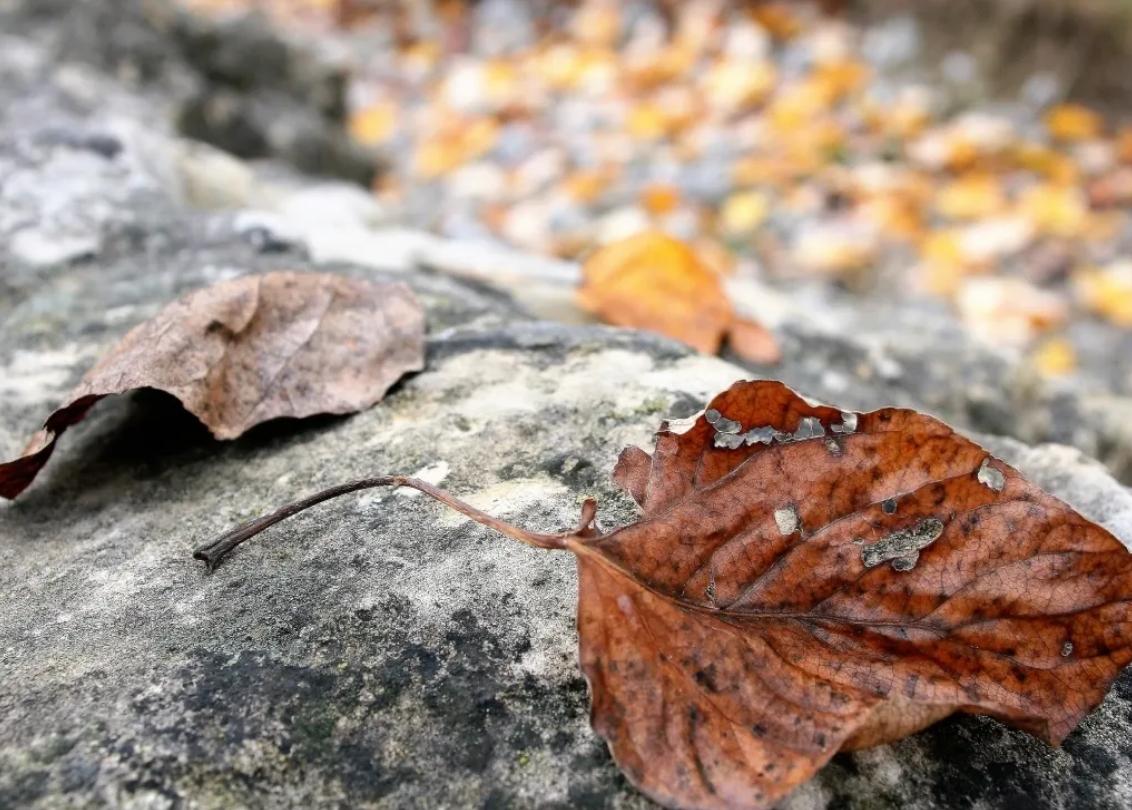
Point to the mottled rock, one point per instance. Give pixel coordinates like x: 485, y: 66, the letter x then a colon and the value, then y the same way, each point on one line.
x: 383, y: 651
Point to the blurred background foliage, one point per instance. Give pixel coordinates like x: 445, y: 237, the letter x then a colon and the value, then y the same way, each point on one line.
x: 969, y: 152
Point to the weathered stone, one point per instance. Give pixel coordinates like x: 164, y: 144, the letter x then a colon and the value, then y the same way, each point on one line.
x: 382, y: 650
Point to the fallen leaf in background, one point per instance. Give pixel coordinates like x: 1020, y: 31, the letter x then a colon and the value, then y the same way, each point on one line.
x: 652, y: 281
x: 836, y: 248
x: 806, y: 580
x: 971, y: 196
x: 753, y: 341
x: 1009, y: 311
x: 758, y: 127
x: 660, y: 199
x: 373, y: 125
x: 1055, y: 357
x: 743, y: 212
x: 1108, y: 291
x: 1073, y: 122
x: 1055, y: 210
x: 256, y: 348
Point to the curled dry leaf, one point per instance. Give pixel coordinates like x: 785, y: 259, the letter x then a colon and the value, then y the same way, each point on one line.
x: 655, y: 282
x: 256, y: 348
x: 805, y: 581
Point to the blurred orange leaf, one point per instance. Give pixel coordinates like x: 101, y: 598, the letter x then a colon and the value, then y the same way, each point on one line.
x: 1055, y: 357
x: 1072, y: 122
x: 373, y: 125
x: 970, y: 197
x: 655, y: 282
x: 741, y: 213
x: 1108, y: 292
x: 1057, y: 210
x: 660, y: 198
x: 778, y: 19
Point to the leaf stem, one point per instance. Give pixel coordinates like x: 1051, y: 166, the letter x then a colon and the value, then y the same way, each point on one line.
x: 212, y: 553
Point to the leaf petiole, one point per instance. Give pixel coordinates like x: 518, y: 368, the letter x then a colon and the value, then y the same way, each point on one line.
x: 212, y: 553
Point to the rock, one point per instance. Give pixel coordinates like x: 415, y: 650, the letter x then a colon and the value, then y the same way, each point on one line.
x: 212, y: 178
x: 383, y: 650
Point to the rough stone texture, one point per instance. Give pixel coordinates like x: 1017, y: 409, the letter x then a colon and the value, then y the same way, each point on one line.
x: 380, y: 651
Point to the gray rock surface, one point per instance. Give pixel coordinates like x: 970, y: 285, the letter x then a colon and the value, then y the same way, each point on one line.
x: 382, y: 651
x: 379, y: 651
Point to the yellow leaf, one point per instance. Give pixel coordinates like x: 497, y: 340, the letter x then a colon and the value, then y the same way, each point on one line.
x: 1056, y: 210
x: 839, y: 79
x: 944, y: 263
x: 652, y: 281
x: 660, y: 198
x: 834, y: 249
x: 797, y: 104
x: 680, y: 106
x: 563, y: 66
x: 902, y: 120
x: 502, y: 82
x: 897, y: 217
x: 758, y: 170
x: 971, y: 196
x: 1054, y: 165
x: 1108, y: 291
x: 598, y: 23
x: 420, y: 56
x: 743, y: 212
x: 649, y: 69
x: 646, y: 122
x: 732, y: 84
x: 373, y: 125
x: 943, y: 247
x: 777, y: 18
x: 1073, y: 122
x: 587, y: 185
x: 1009, y: 311
x: 1055, y: 357
x: 456, y: 144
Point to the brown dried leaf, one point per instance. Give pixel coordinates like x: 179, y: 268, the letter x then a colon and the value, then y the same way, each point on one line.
x: 805, y: 581
x: 256, y: 348
x: 831, y: 589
